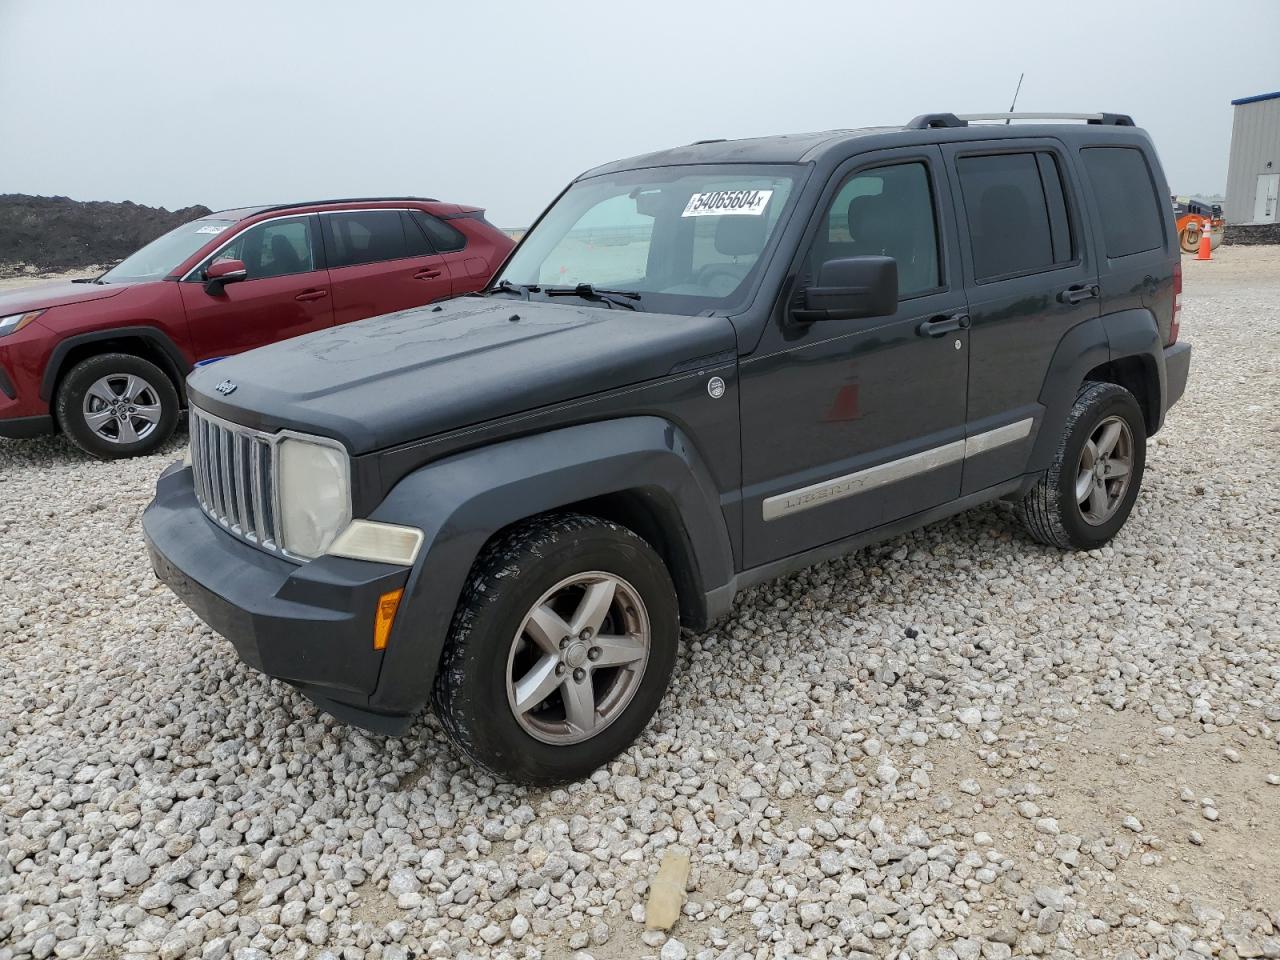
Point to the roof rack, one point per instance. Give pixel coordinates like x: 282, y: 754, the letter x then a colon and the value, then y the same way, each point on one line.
x: 313, y: 203
x: 927, y: 121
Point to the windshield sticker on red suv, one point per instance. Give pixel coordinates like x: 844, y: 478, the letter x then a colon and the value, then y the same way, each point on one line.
x: 212, y: 228
x: 722, y: 203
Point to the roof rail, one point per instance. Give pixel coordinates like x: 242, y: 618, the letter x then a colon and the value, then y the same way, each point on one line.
x: 316, y: 203
x: 928, y: 121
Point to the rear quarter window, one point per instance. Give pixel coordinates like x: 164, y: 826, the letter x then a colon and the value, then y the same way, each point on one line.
x: 1126, y: 198
x: 444, y: 238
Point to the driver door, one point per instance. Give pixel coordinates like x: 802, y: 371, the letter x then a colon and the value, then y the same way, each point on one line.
x: 851, y: 424
x: 285, y: 294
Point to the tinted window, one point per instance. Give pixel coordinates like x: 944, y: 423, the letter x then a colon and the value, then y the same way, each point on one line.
x: 415, y: 241
x: 364, y: 237
x: 273, y: 249
x: 445, y: 238
x: 887, y: 211
x: 1126, y: 199
x: 1017, y: 213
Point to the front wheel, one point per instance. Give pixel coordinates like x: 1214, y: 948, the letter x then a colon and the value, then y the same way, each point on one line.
x: 117, y: 405
x: 1087, y: 493
x: 560, y: 651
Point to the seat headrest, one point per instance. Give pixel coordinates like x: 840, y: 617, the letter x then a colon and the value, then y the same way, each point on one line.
x: 740, y: 235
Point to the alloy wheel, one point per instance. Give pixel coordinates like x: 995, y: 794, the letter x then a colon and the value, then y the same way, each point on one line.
x: 122, y: 408
x: 1106, y: 464
x: 578, y: 658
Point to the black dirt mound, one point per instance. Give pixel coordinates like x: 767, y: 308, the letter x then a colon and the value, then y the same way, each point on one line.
x: 57, y: 233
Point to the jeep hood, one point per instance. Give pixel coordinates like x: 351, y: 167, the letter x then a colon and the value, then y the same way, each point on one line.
x: 418, y: 373
x: 56, y: 293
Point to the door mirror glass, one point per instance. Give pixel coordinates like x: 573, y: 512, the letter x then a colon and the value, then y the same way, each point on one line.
x: 851, y: 288
x: 222, y: 272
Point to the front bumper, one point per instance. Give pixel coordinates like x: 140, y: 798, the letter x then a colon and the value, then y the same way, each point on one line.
x: 308, y: 624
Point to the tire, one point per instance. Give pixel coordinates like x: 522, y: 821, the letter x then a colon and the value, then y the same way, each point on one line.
x: 1053, y: 512
x: 554, y: 562
x: 1189, y: 240
x: 85, y: 413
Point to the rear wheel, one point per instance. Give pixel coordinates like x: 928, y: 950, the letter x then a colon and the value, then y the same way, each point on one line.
x: 561, y: 649
x: 117, y: 405
x: 1087, y: 493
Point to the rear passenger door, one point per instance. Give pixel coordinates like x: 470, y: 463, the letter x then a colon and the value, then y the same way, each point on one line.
x: 1029, y: 279
x: 380, y: 261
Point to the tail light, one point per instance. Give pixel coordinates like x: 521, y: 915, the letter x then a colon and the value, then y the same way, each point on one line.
x: 1177, y: 303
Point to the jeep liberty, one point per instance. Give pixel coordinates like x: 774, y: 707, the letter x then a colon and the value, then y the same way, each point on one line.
x: 701, y: 368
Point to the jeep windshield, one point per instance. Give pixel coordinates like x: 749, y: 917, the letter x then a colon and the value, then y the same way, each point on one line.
x: 161, y: 256
x: 686, y: 239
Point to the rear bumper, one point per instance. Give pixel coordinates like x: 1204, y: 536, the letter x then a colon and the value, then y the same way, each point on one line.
x: 310, y: 624
x: 22, y: 428
x: 1177, y: 367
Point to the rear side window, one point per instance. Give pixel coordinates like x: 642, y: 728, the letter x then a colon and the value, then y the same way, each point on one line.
x: 416, y: 242
x: 1126, y: 198
x: 367, y: 236
x: 444, y: 238
x: 1017, y: 213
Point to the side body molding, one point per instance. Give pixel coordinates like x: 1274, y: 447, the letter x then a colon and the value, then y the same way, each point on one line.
x: 461, y: 501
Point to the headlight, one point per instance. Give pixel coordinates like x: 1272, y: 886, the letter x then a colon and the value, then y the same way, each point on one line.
x: 315, y: 495
x: 16, y: 321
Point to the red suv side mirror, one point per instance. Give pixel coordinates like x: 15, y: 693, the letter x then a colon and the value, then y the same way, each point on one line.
x: 222, y: 272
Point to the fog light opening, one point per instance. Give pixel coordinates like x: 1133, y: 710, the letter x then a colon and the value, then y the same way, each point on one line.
x: 385, y: 616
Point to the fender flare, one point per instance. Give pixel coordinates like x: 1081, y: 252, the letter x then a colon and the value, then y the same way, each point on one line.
x: 460, y: 502
x: 1100, y: 340
x: 1134, y: 333
x: 178, y: 364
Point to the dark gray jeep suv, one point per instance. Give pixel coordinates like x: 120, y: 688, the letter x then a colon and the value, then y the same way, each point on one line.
x: 701, y: 368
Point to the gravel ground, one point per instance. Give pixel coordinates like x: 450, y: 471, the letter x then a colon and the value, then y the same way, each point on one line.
x: 955, y: 745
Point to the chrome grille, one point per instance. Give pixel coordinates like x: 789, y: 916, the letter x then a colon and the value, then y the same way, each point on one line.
x: 234, y: 472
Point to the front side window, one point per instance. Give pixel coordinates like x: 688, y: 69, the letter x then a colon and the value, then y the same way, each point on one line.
x: 1016, y: 210
x: 276, y: 248
x: 885, y: 211
x: 1127, y: 199
x: 686, y: 238
x: 365, y: 236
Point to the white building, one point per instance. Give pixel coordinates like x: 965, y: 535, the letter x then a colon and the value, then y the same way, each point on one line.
x: 1253, y: 173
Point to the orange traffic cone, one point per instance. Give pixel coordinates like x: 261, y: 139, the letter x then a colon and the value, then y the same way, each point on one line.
x: 1206, y: 244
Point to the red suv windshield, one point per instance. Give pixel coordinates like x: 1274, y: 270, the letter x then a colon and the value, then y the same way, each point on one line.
x: 159, y: 257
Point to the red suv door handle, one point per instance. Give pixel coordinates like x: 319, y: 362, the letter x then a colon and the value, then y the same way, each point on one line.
x: 312, y: 295
x: 428, y: 273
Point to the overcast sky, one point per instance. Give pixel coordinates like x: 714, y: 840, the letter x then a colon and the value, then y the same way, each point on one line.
x: 499, y: 104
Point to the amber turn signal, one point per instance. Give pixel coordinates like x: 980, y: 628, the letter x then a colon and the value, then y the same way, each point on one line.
x: 388, y: 604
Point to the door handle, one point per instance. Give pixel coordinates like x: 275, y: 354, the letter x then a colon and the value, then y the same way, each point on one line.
x: 1078, y: 293
x: 937, y: 326
x: 312, y: 295
x: 430, y: 273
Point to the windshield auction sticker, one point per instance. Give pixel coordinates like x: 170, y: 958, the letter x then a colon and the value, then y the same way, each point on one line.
x: 721, y: 203
x: 212, y: 228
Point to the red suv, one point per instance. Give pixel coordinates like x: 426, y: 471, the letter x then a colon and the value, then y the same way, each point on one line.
x: 104, y: 360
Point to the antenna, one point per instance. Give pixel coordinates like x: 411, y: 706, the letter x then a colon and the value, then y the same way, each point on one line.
x: 1016, y: 91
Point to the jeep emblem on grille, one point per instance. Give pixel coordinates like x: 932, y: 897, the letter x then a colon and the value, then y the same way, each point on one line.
x: 226, y: 387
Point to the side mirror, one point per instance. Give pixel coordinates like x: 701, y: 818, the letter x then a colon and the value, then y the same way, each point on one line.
x: 219, y: 274
x: 851, y: 288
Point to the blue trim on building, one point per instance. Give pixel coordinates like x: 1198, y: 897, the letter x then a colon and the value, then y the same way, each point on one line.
x: 1261, y: 96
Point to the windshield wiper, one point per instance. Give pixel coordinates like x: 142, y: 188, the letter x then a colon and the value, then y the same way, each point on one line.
x: 522, y: 289
x: 615, y: 298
